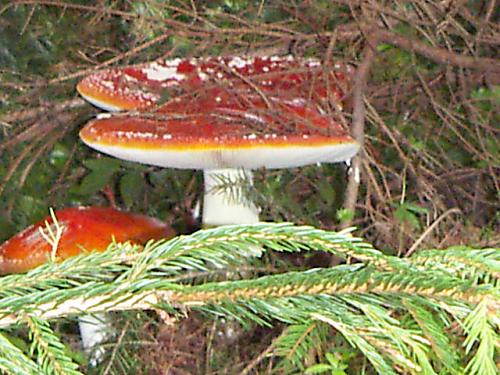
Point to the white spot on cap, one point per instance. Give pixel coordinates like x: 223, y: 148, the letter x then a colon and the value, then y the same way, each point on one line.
x: 157, y: 72
x: 313, y: 63
x: 296, y: 101
x: 174, y: 62
x: 253, y: 117
x: 238, y: 62
x: 107, y: 84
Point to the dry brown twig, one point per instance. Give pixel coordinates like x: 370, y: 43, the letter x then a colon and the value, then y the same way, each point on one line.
x: 378, y: 35
x: 431, y: 227
x: 358, y: 125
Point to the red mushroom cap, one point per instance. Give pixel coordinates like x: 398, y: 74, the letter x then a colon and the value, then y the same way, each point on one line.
x: 90, y: 228
x: 145, y: 85
x: 206, y: 133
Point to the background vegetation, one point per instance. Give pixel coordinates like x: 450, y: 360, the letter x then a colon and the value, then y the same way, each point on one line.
x: 425, y: 99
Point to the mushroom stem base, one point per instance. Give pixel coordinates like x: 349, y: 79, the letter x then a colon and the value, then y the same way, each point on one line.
x: 94, y: 330
x: 224, y: 201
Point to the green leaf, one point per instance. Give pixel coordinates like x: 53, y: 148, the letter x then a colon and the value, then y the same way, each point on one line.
x: 344, y: 215
x: 131, y: 187
x: 101, y: 174
x: 318, y: 369
x: 326, y: 191
x: 413, y: 207
x: 484, y: 93
x: 384, y: 47
x: 59, y: 156
x: 7, y: 228
x: 94, y: 182
x: 103, y: 164
x: 30, y: 209
x: 159, y: 178
x: 404, y: 214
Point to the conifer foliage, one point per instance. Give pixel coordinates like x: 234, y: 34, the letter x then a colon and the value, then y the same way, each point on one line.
x: 398, y: 313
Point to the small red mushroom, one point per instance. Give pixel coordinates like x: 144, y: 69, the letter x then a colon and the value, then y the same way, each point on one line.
x: 146, y: 85
x: 89, y: 228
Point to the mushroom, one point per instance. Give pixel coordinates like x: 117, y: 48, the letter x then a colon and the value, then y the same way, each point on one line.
x: 91, y: 228
x: 141, y: 87
x: 220, y: 139
x: 225, y: 115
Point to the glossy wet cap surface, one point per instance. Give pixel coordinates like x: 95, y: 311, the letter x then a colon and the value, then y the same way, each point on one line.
x: 89, y: 228
x: 145, y: 85
x: 224, y: 136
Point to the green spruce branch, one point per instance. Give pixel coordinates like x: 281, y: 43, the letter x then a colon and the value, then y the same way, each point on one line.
x: 49, y: 350
x: 396, y: 312
x: 14, y: 361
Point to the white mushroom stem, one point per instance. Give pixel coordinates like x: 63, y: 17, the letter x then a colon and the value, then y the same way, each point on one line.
x: 226, y: 206
x: 94, y: 330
